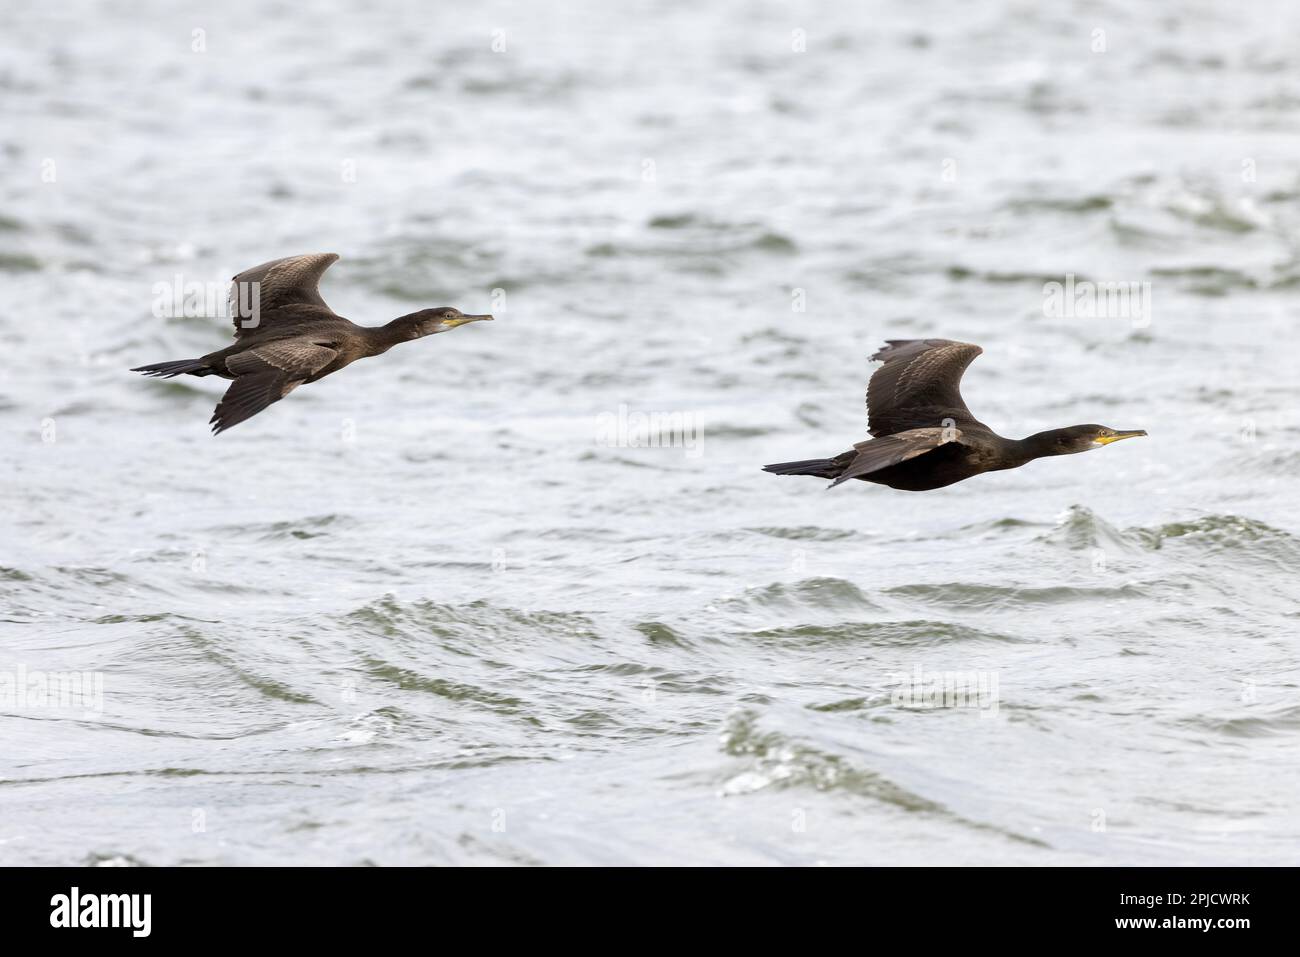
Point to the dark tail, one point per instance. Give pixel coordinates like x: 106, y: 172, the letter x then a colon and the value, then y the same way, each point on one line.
x: 169, y: 369
x: 822, y: 468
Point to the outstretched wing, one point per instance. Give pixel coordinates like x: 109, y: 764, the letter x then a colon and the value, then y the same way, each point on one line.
x: 876, y: 454
x: 265, y: 375
x: 919, y: 385
x: 257, y: 295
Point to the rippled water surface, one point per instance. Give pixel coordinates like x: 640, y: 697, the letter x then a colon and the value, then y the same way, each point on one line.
x: 427, y: 612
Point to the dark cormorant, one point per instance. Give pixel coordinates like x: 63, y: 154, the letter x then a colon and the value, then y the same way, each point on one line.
x: 285, y: 335
x: 924, y: 436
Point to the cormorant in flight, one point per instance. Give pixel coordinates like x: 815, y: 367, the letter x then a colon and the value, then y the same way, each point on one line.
x: 286, y: 335
x: 925, y: 437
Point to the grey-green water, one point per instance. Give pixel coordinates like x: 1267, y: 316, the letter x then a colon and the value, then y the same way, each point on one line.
x: 437, y: 609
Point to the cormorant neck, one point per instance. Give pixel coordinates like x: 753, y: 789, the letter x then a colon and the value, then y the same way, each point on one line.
x: 1036, y: 446
x: 402, y: 329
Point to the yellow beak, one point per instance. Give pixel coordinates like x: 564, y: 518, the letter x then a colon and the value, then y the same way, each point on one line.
x: 461, y: 320
x: 1107, y: 439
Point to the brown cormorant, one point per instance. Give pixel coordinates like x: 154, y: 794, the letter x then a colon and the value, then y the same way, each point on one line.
x: 924, y: 437
x: 286, y: 335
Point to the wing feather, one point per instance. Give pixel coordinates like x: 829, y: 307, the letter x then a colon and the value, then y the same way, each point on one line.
x: 265, y: 375
x: 919, y: 385
x: 261, y: 295
x: 876, y: 454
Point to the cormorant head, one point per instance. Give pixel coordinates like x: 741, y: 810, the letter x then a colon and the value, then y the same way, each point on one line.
x: 428, y: 322
x: 1079, y: 438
